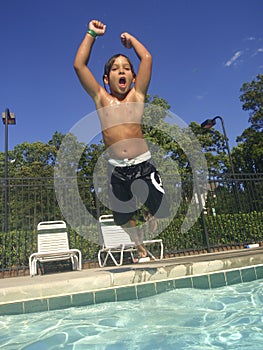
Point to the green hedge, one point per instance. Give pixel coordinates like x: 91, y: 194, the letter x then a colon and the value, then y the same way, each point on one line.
x: 223, y: 230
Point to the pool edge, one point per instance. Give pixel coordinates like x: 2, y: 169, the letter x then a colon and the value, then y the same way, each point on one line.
x: 126, y: 283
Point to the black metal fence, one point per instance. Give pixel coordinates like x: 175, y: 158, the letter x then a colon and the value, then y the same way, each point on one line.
x: 232, y: 216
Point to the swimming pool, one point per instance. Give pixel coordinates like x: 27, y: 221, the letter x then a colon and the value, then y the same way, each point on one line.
x: 225, y: 318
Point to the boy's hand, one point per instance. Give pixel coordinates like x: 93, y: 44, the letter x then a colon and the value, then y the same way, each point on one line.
x: 126, y: 40
x: 98, y: 27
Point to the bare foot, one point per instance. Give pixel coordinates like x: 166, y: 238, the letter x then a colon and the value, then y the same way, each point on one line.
x: 142, y: 251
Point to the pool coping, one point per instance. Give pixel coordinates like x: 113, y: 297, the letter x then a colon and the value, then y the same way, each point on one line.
x: 110, y: 284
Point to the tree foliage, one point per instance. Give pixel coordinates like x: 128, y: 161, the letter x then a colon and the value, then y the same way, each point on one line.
x: 252, y: 98
x: 248, y: 155
x: 32, y: 197
x: 38, y: 159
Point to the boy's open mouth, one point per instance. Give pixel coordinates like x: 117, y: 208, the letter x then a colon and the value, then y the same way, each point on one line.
x: 122, y: 82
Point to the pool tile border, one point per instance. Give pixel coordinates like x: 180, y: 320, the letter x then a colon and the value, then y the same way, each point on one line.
x: 135, y: 291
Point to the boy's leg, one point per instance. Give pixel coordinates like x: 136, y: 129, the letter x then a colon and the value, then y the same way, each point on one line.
x: 136, y: 236
x: 121, y: 191
x: 150, y: 220
x: 156, y: 202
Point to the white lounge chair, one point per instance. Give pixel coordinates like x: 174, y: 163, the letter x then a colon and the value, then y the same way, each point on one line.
x: 53, y: 245
x: 116, y: 242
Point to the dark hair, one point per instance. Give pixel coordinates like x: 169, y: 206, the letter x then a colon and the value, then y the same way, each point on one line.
x: 110, y: 63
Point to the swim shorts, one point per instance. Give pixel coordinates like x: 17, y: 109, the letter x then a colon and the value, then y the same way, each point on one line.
x: 135, y: 185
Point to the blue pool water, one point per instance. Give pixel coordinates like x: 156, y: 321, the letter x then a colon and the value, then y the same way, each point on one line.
x: 225, y: 318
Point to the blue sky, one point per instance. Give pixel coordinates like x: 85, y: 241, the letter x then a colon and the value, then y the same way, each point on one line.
x: 203, y: 51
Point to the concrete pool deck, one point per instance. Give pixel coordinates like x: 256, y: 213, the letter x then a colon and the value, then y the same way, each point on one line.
x: 16, y: 291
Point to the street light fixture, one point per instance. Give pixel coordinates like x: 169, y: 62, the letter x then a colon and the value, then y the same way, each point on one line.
x: 208, y: 124
x: 8, y: 119
x: 9, y: 116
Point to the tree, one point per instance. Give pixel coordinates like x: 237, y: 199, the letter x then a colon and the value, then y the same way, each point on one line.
x: 252, y: 98
x: 214, y: 148
x: 33, y: 160
x: 248, y: 155
x: 179, y: 142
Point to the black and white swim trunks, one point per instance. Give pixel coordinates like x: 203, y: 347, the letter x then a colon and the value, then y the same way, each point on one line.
x: 127, y: 194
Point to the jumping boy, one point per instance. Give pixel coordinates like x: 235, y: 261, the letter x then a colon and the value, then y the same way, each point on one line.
x: 130, y: 158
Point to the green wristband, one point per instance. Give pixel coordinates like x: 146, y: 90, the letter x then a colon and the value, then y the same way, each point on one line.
x: 92, y: 33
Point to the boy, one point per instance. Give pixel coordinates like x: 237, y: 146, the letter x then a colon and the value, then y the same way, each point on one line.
x: 130, y: 158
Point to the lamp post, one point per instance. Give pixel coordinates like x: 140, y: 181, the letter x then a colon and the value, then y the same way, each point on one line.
x: 208, y: 124
x: 8, y: 119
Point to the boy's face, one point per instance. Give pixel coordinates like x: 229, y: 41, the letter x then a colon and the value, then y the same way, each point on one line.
x: 120, y: 77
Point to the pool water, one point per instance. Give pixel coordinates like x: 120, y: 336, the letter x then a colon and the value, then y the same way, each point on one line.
x: 224, y: 318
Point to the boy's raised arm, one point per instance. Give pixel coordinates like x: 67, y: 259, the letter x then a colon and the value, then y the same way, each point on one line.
x: 145, y: 68
x: 84, y: 74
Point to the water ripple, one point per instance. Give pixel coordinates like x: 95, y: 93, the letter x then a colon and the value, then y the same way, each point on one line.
x: 225, y: 318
